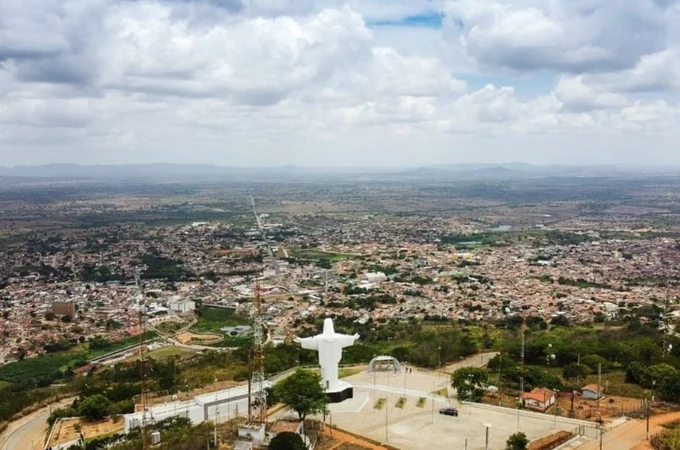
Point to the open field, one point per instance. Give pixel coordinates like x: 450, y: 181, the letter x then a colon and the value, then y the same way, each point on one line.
x: 186, y: 337
x: 316, y: 254
x: 212, y: 319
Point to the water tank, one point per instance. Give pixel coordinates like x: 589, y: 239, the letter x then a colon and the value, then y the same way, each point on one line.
x: 155, y: 438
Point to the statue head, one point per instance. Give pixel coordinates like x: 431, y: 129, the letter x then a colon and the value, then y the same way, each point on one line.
x: 328, y: 329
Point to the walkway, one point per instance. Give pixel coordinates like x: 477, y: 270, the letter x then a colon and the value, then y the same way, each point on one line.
x: 349, y: 439
x: 631, y: 435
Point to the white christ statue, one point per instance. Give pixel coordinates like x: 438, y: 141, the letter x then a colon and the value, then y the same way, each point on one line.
x: 329, y: 345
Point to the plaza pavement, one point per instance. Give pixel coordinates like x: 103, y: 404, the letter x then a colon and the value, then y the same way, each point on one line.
x: 414, y: 428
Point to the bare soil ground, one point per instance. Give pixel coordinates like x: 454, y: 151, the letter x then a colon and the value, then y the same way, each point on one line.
x: 66, y: 431
x: 550, y: 441
x: 186, y: 337
x: 610, y: 406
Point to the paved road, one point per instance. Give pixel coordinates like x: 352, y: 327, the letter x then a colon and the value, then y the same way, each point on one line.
x: 478, y: 360
x: 631, y: 435
x: 29, y: 432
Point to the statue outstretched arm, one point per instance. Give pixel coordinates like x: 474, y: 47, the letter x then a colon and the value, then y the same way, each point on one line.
x: 308, y: 343
x: 347, y: 340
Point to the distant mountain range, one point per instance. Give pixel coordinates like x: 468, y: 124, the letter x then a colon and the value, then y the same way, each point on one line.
x: 207, y: 172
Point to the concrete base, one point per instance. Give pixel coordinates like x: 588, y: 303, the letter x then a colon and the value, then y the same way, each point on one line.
x: 352, y: 405
x: 340, y: 396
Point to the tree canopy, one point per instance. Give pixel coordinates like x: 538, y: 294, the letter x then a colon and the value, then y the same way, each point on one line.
x: 517, y: 441
x: 302, y: 392
x: 287, y: 441
x: 95, y: 407
x: 469, y: 382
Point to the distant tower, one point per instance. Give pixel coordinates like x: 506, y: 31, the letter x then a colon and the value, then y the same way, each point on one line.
x: 259, y: 395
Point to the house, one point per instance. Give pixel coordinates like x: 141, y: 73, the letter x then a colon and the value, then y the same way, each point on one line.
x: 593, y: 392
x: 539, y: 399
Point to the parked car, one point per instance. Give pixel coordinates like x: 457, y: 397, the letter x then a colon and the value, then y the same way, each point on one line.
x: 449, y: 412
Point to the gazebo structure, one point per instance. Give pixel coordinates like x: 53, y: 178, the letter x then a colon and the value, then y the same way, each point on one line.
x: 384, y: 364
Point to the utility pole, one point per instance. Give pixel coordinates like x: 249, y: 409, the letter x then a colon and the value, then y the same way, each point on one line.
x: 500, y: 381
x: 599, y: 388
x: 647, y: 414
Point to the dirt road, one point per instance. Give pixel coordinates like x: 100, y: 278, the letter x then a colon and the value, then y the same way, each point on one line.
x: 29, y: 432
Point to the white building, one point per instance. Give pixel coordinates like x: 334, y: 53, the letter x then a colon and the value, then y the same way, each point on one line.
x: 182, y: 306
x: 218, y: 406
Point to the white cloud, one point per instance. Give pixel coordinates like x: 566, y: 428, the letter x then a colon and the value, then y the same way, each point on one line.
x: 577, y: 96
x: 564, y: 35
x: 271, y: 81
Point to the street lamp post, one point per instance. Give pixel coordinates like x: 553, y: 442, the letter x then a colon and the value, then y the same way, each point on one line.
x: 556, y: 406
x: 439, y: 357
x: 375, y: 399
x: 487, y: 426
x: 387, y: 406
x: 471, y: 391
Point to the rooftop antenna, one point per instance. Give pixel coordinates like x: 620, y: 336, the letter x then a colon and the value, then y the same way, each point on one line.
x: 142, y: 356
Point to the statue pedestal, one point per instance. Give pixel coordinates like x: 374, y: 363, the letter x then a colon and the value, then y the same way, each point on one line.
x: 341, y: 392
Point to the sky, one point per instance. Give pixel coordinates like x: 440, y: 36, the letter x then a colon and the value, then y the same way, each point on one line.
x: 339, y: 83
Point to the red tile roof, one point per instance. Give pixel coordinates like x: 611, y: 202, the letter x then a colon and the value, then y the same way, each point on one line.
x: 538, y: 394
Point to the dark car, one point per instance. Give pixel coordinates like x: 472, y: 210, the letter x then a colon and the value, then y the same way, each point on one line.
x: 449, y: 412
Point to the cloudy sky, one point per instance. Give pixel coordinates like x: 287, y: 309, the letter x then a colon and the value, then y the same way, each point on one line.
x: 326, y: 82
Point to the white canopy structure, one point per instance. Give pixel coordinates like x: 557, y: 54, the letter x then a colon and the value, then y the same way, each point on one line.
x: 384, y: 363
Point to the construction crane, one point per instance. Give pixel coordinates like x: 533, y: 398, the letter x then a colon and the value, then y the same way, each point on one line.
x: 141, y: 303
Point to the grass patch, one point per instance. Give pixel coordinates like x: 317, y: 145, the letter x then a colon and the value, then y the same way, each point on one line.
x: 401, y: 402
x: 169, y: 352
x: 349, y: 371
x: 119, y: 345
x: 421, y: 402
x: 617, y: 384
x: 443, y: 392
x: 212, y: 319
x: 316, y: 254
x: 380, y: 403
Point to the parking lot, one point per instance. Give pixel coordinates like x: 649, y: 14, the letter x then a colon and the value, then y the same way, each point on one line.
x: 417, y: 426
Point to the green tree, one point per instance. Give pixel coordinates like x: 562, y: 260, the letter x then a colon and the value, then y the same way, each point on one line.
x: 94, y: 407
x: 302, y: 392
x: 573, y: 371
x: 468, y: 382
x: 287, y: 441
x: 517, y: 441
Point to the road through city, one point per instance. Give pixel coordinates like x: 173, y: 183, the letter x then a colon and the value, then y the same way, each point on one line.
x: 29, y: 432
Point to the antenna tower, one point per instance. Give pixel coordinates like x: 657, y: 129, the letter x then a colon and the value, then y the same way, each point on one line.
x: 142, y: 357
x: 259, y: 395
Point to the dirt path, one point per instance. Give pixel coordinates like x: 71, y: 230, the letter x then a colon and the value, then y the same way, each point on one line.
x: 348, y: 438
x: 631, y: 435
x: 29, y: 432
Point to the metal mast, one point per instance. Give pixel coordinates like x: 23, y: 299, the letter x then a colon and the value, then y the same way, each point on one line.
x: 142, y: 358
x: 259, y: 395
